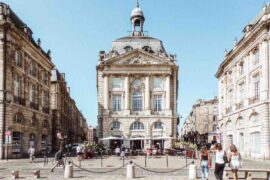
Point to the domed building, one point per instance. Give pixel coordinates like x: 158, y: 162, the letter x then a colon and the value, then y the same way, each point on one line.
x: 137, y: 85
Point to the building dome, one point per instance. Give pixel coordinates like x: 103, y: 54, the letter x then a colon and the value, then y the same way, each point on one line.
x: 136, y: 12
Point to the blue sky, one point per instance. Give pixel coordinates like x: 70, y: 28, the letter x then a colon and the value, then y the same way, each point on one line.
x: 198, y: 31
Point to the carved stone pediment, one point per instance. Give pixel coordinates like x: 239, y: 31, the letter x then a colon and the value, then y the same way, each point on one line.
x: 137, y: 58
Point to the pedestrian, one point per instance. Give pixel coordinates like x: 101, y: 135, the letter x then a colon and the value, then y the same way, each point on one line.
x: 31, y: 152
x: 205, y: 162
x: 117, y: 151
x: 79, y: 152
x: 221, y: 159
x: 58, y: 159
x: 234, y: 159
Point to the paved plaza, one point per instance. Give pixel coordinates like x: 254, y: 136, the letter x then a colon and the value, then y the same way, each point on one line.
x: 157, y: 164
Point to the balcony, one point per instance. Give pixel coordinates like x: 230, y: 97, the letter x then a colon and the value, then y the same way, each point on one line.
x: 254, y: 99
x: 45, y: 110
x: 239, y: 105
x: 228, y: 110
x: 33, y: 105
x: 19, y: 100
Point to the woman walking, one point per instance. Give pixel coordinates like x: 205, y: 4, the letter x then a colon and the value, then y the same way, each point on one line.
x: 234, y: 160
x: 220, y: 161
x: 205, y: 162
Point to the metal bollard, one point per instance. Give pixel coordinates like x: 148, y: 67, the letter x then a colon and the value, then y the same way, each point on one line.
x: 15, y: 174
x: 226, y: 176
x: 68, y: 171
x: 249, y: 176
x: 130, y: 171
x: 36, y: 174
x: 192, y: 171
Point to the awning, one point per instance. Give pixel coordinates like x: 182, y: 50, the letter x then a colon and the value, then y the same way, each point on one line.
x: 161, y: 138
x: 111, y: 138
x: 138, y: 138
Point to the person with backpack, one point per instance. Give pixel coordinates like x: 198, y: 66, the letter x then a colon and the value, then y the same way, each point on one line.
x: 58, y: 159
x: 221, y: 160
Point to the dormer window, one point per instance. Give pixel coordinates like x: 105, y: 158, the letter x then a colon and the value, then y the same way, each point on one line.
x: 128, y: 48
x: 147, y: 49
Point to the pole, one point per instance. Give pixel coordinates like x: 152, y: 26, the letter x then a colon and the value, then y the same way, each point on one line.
x: 186, y: 156
x: 167, y: 160
x: 123, y: 161
x: 101, y: 163
x: 145, y: 157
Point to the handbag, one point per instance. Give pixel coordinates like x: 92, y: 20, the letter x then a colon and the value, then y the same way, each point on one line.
x: 225, y: 158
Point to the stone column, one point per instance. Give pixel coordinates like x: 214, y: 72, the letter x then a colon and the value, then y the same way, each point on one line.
x: 147, y: 96
x: 126, y: 93
x: 168, y: 94
x: 106, y: 92
x: 265, y: 70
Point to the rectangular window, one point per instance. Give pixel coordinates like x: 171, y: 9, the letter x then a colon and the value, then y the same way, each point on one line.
x: 157, y: 103
x: 17, y: 83
x: 33, y: 69
x: 241, y: 68
x: 256, y: 56
x: 257, y: 87
x: 117, y: 82
x: 230, y: 93
x: 18, y: 58
x: 241, y: 92
x: 137, y: 101
x: 33, y: 93
x: 117, y: 102
x: 157, y: 82
x: 256, y: 143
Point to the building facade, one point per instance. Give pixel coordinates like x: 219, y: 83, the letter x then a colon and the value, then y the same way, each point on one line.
x: 243, y: 81
x: 137, y: 86
x: 68, y: 123
x: 24, y: 87
x: 201, y: 124
x: 92, y: 135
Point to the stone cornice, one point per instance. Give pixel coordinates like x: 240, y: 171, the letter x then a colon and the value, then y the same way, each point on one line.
x: 243, y: 43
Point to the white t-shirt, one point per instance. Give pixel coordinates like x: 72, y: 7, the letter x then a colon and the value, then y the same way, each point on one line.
x: 219, y: 157
x: 78, y: 149
x: 31, y: 151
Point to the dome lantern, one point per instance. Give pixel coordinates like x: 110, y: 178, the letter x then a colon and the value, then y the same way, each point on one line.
x: 137, y: 20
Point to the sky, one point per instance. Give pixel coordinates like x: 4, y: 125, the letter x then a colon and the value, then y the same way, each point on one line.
x: 198, y: 31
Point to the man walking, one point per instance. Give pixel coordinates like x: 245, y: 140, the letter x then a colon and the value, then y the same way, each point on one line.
x: 31, y: 152
x: 59, y: 159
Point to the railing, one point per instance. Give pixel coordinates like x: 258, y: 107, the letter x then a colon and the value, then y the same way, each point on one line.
x: 19, y: 100
x: 239, y: 105
x: 33, y: 105
x: 228, y: 110
x: 254, y: 99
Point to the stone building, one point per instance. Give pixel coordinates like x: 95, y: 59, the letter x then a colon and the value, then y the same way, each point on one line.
x: 68, y: 122
x: 201, y: 124
x: 243, y: 81
x: 137, y: 86
x: 24, y: 87
x: 92, y: 135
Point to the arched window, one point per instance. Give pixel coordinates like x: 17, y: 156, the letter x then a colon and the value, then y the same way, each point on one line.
x: 137, y: 126
x: 137, y: 101
x: 128, y: 48
x: 229, y: 125
x: 116, y: 125
x: 239, y: 121
x: 147, y: 49
x: 254, y: 117
x: 158, y: 125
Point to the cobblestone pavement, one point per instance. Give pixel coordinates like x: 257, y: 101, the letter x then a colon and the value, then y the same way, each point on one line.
x: 158, y: 164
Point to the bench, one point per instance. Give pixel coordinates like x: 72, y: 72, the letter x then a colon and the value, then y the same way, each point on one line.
x: 249, y: 171
x: 15, y: 174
